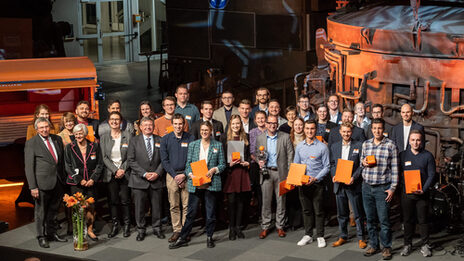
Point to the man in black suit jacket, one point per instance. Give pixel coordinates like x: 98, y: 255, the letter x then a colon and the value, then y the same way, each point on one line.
x: 207, y: 113
x: 358, y: 133
x: 377, y: 113
x: 400, y: 132
x: 147, y: 177
x: 43, y: 158
x: 348, y: 149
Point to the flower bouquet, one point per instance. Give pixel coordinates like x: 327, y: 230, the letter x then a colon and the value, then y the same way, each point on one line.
x: 79, y: 203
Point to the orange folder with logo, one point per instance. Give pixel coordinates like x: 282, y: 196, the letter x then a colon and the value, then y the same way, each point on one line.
x: 199, y: 171
x: 371, y: 160
x: 412, y: 181
x: 296, y: 173
x: 320, y: 138
x: 235, y: 156
x: 344, y: 171
x: 284, y: 187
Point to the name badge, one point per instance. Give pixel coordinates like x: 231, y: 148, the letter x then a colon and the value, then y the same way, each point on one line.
x: 215, y: 150
x: 188, y: 117
x: 355, y: 151
x: 218, y: 133
x: 93, y: 157
x: 407, y: 163
x: 385, y: 134
x: 340, y: 122
x: 184, y: 144
x: 312, y: 157
x: 157, y: 145
x: 327, y: 130
x: 125, y: 145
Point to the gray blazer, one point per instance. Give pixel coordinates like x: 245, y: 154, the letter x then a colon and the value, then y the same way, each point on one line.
x: 285, y: 152
x: 137, y: 158
x: 42, y: 171
x: 106, y: 145
x: 220, y: 115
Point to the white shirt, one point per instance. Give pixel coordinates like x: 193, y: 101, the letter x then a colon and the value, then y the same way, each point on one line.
x: 406, y: 130
x: 246, y: 126
x: 51, y: 143
x: 345, y: 150
x: 333, y: 117
x: 203, y: 153
x: 116, y: 152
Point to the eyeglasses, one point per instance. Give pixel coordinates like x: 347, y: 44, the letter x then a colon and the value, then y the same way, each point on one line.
x: 272, y: 123
x: 114, y: 119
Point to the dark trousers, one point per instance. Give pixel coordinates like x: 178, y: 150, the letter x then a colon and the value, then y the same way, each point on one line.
x: 119, y: 199
x: 140, y: 198
x: 46, y: 209
x: 313, y: 211
x: 210, y: 204
x: 343, y: 211
x: 415, y: 206
x: 377, y: 210
x: 236, y: 204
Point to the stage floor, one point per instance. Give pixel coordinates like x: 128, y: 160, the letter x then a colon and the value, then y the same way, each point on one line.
x: 250, y: 248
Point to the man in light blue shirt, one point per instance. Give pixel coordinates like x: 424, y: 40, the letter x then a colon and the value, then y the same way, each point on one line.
x: 315, y: 155
x: 188, y: 110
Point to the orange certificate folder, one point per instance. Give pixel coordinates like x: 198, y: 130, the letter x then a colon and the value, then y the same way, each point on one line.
x: 284, y: 187
x: 235, y: 156
x: 320, y: 138
x: 199, y: 170
x: 344, y: 171
x: 412, y: 181
x: 296, y: 173
x: 371, y: 160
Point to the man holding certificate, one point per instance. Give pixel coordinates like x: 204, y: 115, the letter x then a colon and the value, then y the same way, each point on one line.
x: 315, y: 155
x: 346, y: 176
x: 417, y: 175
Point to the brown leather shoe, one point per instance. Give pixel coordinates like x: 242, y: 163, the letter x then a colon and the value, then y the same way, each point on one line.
x: 174, y: 237
x: 352, y: 222
x: 263, y: 234
x: 371, y: 251
x: 339, y: 242
x: 362, y: 244
x: 281, y: 232
x: 387, y: 253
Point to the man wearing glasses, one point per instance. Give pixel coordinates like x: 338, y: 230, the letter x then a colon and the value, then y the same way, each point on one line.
x: 335, y: 114
x: 262, y: 101
x: 280, y: 153
x: 228, y: 109
x: 163, y: 125
x: 377, y: 113
x: 303, y: 107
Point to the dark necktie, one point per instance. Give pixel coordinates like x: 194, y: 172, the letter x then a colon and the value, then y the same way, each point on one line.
x: 149, y: 149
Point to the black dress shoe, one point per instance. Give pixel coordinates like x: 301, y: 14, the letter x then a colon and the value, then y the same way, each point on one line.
x: 159, y: 234
x: 43, y: 242
x: 179, y: 243
x: 57, y: 238
x: 232, y: 234
x: 140, y: 236
x: 239, y: 233
x: 210, y: 242
x: 126, y: 230
x: 114, y: 230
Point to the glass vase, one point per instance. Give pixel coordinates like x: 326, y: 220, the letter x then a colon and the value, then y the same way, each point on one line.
x: 79, y: 230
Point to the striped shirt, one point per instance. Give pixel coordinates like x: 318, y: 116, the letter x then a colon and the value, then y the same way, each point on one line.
x: 386, y: 169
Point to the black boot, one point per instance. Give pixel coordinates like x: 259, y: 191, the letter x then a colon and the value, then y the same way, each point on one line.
x: 232, y: 234
x: 126, y: 231
x: 210, y: 242
x: 239, y: 232
x: 114, y: 229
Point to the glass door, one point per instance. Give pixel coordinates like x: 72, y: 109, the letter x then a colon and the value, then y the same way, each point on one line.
x: 104, y: 30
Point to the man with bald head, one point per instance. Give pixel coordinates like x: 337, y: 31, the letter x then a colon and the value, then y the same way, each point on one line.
x: 400, y: 132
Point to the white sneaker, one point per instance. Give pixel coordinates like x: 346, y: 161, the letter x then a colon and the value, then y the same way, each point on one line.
x: 305, y: 240
x: 321, y: 242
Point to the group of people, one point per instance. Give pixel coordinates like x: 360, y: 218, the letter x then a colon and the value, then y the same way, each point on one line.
x: 138, y: 169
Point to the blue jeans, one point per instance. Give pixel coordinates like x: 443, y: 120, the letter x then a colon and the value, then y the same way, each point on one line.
x: 377, y: 210
x: 193, y: 201
x: 343, y: 211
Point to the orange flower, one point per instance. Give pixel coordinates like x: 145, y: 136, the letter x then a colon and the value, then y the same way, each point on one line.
x: 90, y: 200
x: 71, y: 202
x: 79, y: 196
x: 65, y: 198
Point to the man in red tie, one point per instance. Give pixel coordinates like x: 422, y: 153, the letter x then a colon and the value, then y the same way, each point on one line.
x: 43, y: 160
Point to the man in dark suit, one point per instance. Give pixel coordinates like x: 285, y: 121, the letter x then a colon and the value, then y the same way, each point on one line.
x: 358, y: 133
x: 147, y: 177
x: 348, y: 149
x: 377, y: 113
x: 207, y: 113
x: 400, y: 132
x: 43, y: 158
x: 244, y: 109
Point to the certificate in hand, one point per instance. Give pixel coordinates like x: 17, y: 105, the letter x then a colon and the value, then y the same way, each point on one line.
x: 199, y: 171
x: 235, y: 146
x: 344, y: 171
x: 296, y: 173
x: 412, y: 181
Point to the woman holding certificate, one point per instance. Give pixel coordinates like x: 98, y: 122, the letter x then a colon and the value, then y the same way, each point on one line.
x: 209, y: 150
x: 236, y: 145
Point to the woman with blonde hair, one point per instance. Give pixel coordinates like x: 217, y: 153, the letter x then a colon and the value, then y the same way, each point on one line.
x: 68, y: 121
x: 297, y: 132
